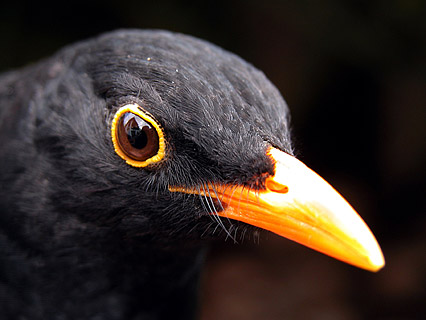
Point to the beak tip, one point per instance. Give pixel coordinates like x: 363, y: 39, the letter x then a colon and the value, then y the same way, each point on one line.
x: 377, y: 262
x: 374, y: 261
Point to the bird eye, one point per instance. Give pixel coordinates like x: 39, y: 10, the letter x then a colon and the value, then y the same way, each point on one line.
x: 137, y: 138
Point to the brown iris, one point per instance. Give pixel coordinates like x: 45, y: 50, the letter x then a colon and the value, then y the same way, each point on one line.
x: 137, y: 138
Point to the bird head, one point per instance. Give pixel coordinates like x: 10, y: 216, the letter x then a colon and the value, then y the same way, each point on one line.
x: 167, y: 138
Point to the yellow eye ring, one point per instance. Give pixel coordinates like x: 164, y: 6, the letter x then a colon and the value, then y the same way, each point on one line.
x: 137, y: 137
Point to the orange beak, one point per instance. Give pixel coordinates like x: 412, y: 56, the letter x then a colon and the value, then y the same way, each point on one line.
x: 301, y: 206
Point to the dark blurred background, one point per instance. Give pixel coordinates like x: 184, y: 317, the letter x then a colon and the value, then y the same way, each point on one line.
x: 354, y: 76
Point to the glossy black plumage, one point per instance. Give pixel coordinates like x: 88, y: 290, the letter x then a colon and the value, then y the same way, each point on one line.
x: 83, y: 235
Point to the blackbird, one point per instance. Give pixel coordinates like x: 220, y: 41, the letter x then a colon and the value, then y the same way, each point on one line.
x: 121, y: 157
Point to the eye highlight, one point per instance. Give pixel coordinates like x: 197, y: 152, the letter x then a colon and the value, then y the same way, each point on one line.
x: 137, y: 137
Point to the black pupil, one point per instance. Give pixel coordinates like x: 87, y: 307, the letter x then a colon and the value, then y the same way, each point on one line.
x: 134, y: 127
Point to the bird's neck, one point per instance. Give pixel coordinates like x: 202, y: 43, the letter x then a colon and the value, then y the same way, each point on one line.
x: 81, y: 281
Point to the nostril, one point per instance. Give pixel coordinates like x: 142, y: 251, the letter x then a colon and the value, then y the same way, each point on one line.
x: 276, y: 186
